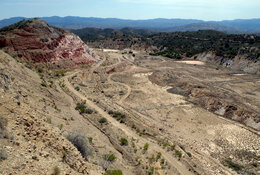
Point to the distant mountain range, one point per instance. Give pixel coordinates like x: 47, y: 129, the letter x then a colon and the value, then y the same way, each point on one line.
x: 93, y: 34
x: 160, y: 24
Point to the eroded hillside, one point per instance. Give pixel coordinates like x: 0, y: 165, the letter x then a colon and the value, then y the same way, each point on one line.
x: 126, y: 113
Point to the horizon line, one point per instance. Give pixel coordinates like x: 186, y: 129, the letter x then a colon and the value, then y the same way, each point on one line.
x: 132, y: 19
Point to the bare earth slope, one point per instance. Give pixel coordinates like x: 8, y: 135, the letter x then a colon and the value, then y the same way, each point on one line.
x: 35, y: 40
x: 33, y: 146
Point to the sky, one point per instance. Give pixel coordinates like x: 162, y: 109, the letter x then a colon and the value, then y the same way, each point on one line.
x: 133, y: 9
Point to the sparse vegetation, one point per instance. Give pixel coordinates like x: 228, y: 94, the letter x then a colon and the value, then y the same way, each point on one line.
x: 159, y: 155
x: 90, y: 139
x: 118, y: 116
x: 171, y: 148
x: 60, y: 126
x: 3, y: 125
x: 233, y: 165
x: 81, y: 143
x: 178, y: 153
x: 114, y: 172
x: 123, y: 141
x: 64, y: 154
x: 146, y: 146
x: 81, y: 107
x: 59, y: 73
x: 103, y: 120
x: 43, y: 84
x: 56, y: 170
x: 48, y: 120
x: 3, y: 155
x: 109, y: 157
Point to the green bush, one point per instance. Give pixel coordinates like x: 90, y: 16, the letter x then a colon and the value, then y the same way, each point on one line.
x: 60, y: 126
x: 159, y: 155
x: 146, y: 146
x: 178, y: 153
x: 109, y: 157
x: 123, y: 141
x: 118, y: 116
x: 114, y: 172
x: 90, y: 139
x: 81, y: 107
x: 103, y: 120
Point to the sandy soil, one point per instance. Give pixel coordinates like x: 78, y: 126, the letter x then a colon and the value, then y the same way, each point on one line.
x: 209, y: 138
x: 192, y: 62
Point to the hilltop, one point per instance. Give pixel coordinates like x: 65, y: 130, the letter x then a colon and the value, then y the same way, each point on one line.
x: 35, y: 40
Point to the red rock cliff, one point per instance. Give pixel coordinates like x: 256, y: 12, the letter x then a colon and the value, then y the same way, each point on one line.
x: 35, y: 40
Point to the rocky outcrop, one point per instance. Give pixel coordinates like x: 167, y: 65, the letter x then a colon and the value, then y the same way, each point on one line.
x: 36, y: 41
x: 239, y: 63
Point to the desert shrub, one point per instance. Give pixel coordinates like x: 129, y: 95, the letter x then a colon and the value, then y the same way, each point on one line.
x: 3, y: 125
x: 114, y: 172
x: 103, y: 120
x: 60, y: 126
x: 159, y: 155
x: 189, y: 154
x: 146, y: 146
x: 81, y: 143
x: 77, y: 88
x: 48, y: 120
x: 90, y: 139
x: 178, y: 153
x: 3, y: 155
x: 64, y: 154
x: 171, y: 148
x: 56, y: 170
x: 235, y: 166
x: 3, y: 129
x: 162, y: 162
x: 89, y: 111
x: 109, y: 157
x: 151, y: 159
x: 81, y: 107
x: 123, y: 141
x: 43, y: 84
x: 60, y: 73
x: 118, y: 116
x: 40, y: 70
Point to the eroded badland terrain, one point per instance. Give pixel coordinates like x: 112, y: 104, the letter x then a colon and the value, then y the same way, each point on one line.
x: 125, y: 111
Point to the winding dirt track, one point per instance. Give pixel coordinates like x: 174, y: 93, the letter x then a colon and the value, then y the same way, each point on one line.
x: 177, y: 165
x: 122, y: 84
